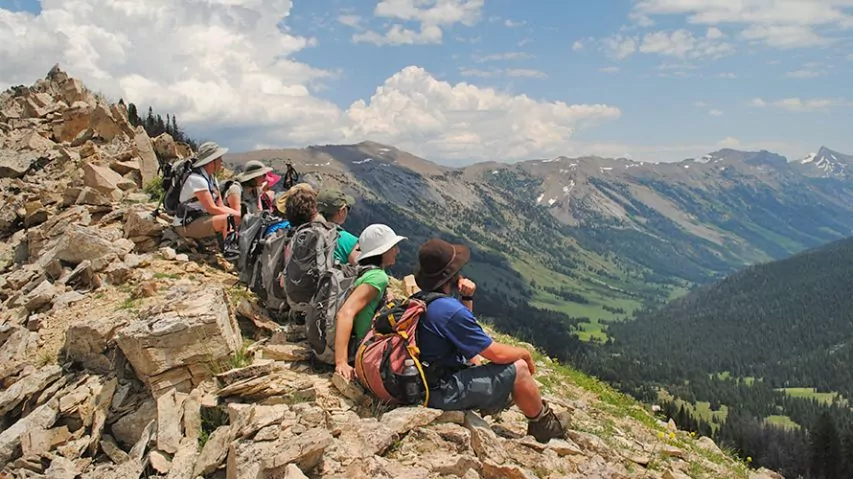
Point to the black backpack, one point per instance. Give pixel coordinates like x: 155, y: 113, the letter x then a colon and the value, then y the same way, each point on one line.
x: 174, y: 176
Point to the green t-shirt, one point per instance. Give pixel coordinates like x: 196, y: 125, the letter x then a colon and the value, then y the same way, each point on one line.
x: 379, y: 280
x: 346, y: 243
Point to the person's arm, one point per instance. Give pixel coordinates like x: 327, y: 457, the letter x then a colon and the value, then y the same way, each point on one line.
x: 233, y: 201
x: 206, y: 199
x: 505, y: 354
x: 344, y: 322
x: 353, y: 255
x: 467, y: 288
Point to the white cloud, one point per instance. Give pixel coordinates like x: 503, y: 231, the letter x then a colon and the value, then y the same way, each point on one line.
x: 503, y: 56
x: 511, y: 24
x: 700, y: 104
x: 230, y: 75
x: 804, y: 74
x: 714, y: 33
x: 475, y: 72
x: 714, y: 12
x: 353, y: 21
x: 729, y: 142
x: 226, y: 64
x: 780, y: 23
x: 509, y: 72
x: 715, y: 112
x: 619, y: 47
x: 609, y: 70
x: 433, y: 16
x: 683, y: 44
x: 784, y: 37
x: 727, y: 75
x: 799, y: 105
x: 524, y: 41
x: 419, y: 113
x: 525, y: 73
x: 578, y: 45
x: 641, y: 20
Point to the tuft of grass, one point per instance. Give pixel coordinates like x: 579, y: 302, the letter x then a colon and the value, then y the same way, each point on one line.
x: 211, y: 418
x: 166, y: 276
x: 154, y: 189
x: 129, y: 304
x: 241, y: 358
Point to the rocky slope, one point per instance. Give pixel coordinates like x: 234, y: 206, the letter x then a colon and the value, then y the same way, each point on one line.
x: 125, y: 353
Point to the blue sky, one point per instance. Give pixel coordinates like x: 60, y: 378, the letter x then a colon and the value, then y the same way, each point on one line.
x: 659, y: 80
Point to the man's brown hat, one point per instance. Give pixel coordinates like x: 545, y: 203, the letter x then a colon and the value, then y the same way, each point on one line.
x: 438, y: 263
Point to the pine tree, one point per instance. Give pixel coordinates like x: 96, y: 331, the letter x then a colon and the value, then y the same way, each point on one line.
x: 150, y: 121
x: 825, y: 448
x: 132, y: 115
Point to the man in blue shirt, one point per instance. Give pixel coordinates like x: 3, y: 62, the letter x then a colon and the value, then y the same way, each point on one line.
x: 453, y: 344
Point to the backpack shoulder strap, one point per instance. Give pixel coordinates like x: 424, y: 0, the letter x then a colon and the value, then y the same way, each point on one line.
x: 428, y: 297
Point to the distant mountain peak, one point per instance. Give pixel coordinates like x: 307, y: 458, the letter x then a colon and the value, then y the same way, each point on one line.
x: 827, y: 162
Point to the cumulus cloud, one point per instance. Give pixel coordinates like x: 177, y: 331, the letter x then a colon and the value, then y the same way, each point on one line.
x: 433, y: 17
x: 225, y: 65
x: 479, y: 58
x: 230, y: 75
x: 609, y: 70
x: 619, y: 47
x: 799, y: 105
x: 784, y: 36
x: 578, y: 45
x: 787, y: 24
x: 682, y: 43
x: 353, y: 21
x: 805, y: 74
x: 509, y: 72
x: 715, y: 112
x: 417, y: 112
x: 511, y: 24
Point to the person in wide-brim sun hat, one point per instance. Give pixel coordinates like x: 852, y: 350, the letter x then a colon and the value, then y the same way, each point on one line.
x: 248, y: 192
x: 378, y: 245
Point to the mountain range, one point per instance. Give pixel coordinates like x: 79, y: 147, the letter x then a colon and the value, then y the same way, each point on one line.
x: 595, y: 238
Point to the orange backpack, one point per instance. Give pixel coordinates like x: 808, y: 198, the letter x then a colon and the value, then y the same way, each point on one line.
x: 381, y: 356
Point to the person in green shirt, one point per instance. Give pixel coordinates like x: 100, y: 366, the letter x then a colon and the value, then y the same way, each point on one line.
x: 378, y: 245
x: 334, y: 205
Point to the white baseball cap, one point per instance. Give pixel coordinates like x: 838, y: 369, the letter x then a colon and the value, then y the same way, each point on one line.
x: 376, y: 239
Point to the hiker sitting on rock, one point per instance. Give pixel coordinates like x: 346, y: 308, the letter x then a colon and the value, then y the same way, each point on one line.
x: 449, y: 337
x: 378, y: 244
x: 201, y: 212
x: 248, y: 193
x: 334, y: 205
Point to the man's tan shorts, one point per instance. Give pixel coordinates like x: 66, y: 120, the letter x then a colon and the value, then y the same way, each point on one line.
x: 198, y: 228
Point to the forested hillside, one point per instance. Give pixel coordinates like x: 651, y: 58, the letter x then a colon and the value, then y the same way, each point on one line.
x: 768, y: 350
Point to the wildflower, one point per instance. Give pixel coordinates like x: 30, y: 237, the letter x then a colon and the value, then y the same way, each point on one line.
x: 672, y: 435
x: 660, y: 435
x: 749, y: 459
x: 693, y: 434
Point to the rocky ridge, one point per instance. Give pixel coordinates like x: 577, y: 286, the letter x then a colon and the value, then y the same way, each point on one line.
x: 125, y: 353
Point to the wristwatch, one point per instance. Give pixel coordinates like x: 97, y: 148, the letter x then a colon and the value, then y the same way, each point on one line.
x: 466, y: 298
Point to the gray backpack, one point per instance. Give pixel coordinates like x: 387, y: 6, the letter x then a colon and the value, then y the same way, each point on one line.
x: 333, y: 289
x: 310, y: 256
x: 267, y: 270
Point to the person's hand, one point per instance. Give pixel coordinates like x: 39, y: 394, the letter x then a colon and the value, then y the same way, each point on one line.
x: 528, y: 358
x: 346, y: 371
x: 466, y: 287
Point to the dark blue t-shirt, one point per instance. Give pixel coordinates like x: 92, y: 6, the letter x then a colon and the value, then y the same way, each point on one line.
x: 448, y: 334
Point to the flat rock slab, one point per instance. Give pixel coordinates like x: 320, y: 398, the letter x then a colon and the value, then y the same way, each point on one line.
x: 188, y: 327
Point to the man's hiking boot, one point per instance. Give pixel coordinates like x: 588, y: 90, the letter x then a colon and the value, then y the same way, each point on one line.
x: 545, y: 426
